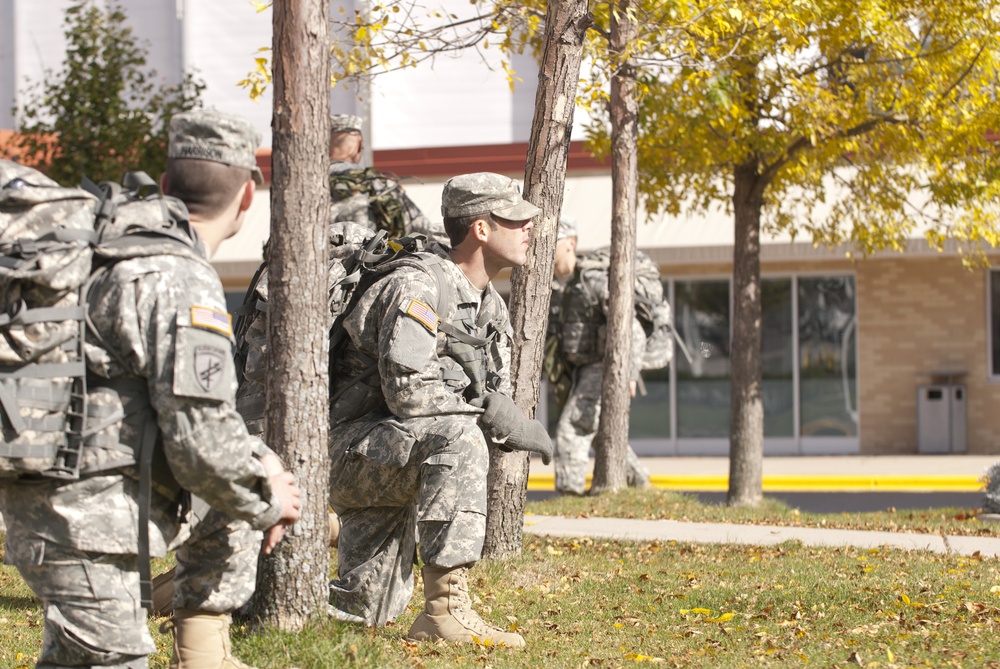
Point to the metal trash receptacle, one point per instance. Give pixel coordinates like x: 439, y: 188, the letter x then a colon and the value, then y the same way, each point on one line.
x: 941, y: 418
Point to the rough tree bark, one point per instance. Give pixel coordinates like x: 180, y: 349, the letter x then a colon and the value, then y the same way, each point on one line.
x: 566, y: 24
x: 611, y: 440
x: 746, y: 430
x: 292, y: 584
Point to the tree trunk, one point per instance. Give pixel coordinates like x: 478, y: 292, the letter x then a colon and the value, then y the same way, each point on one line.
x: 292, y: 584
x: 746, y: 430
x: 611, y: 441
x: 566, y: 24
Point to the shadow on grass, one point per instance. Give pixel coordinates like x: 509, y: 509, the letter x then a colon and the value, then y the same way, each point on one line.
x: 16, y: 603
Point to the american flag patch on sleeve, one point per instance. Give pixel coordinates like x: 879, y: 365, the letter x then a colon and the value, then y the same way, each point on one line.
x: 423, y: 314
x: 207, y: 317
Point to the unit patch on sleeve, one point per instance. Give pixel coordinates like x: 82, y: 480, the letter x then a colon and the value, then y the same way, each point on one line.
x: 423, y: 314
x: 209, y: 366
x: 207, y: 317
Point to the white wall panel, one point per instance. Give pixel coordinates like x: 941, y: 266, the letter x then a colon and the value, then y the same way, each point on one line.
x: 222, y: 40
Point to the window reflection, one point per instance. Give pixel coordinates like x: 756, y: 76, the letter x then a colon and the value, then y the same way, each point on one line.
x: 827, y: 357
x: 650, y: 415
x: 701, y: 317
x: 995, y: 322
x: 777, y: 358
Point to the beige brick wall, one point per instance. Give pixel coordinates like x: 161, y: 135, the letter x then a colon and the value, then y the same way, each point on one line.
x: 918, y: 315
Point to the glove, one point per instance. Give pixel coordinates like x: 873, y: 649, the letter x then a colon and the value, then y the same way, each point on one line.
x: 533, y: 438
x: 504, y: 424
x: 500, y: 416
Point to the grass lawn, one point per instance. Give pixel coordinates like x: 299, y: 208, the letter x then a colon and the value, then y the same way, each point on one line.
x: 655, y: 504
x: 596, y: 603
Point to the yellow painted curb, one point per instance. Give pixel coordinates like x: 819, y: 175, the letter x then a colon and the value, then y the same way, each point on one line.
x: 804, y: 483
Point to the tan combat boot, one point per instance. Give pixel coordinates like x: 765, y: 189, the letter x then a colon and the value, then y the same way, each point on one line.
x: 448, y: 612
x: 201, y: 641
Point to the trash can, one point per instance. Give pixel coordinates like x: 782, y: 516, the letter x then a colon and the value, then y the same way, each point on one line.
x: 941, y: 422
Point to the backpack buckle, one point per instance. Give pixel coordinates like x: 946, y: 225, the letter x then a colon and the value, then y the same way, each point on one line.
x: 26, y: 248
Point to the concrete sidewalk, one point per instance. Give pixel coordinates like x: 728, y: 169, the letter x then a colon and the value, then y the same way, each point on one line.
x: 847, y: 473
x: 831, y: 473
x: 756, y: 535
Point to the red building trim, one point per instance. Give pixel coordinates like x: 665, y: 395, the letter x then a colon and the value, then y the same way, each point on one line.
x: 448, y: 161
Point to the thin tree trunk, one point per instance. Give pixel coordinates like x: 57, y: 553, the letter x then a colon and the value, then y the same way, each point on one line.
x: 746, y: 440
x: 611, y: 441
x: 566, y: 23
x: 292, y: 584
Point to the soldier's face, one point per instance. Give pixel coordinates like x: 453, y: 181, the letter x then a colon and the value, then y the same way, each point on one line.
x: 565, y: 261
x: 509, y: 240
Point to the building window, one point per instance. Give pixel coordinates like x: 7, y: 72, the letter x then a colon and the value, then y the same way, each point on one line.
x: 649, y: 417
x: 827, y: 357
x: 777, y: 358
x: 701, y: 316
x: 994, y: 308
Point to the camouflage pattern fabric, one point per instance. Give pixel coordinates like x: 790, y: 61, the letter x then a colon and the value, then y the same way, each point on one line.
x: 577, y: 426
x: 379, y: 198
x: 162, y: 322
x: 410, y: 460
x: 581, y: 413
x: 44, y: 275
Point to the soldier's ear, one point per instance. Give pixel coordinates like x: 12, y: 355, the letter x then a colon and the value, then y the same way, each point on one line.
x: 246, y: 199
x: 163, y: 184
x: 481, y: 229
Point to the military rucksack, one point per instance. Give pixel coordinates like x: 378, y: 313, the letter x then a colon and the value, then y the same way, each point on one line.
x: 582, y: 320
x: 54, y: 241
x: 368, y: 197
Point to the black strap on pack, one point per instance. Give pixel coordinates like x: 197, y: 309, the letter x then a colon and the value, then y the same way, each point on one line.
x: 144, y: 461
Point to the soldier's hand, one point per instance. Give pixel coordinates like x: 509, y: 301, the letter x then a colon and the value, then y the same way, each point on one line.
x: 288, y: 494
x: 534, y: 438
x: 500, y: 416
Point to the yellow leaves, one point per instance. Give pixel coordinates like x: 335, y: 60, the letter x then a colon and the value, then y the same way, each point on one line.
x: 706, y: 615
x: 637, y: 658
x: 261, y: 6
x: 725, y: 617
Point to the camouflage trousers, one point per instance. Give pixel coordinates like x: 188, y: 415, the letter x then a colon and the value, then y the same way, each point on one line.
x: 575, y: 432
x: 93, y: 613
x: 392, y: 483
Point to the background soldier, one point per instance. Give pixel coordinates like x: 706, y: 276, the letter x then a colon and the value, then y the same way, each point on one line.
x: 408, y: 446
x: 578, y: 317
x: 162, y: 324
x: 366, y: 196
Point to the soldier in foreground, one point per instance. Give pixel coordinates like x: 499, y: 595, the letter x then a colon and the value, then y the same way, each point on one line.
x: 421, y: 391
x: 165, y: 339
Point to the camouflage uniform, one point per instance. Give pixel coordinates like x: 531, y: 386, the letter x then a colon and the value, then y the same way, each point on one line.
x: 407, y: 455
x: 581, y: 414
x: 163, y: 322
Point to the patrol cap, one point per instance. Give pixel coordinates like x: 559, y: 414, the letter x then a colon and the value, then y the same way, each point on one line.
x: 207, y: 134
x: 345, y: 123
x: 485, y: 192
x: 567, y: 227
